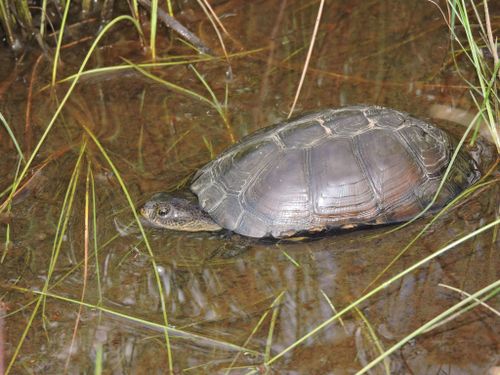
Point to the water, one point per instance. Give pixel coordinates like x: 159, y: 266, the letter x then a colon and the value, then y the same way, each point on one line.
x: 221, y: 291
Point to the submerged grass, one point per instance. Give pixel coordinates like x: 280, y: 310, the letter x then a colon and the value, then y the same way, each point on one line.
x: 214, y: 103
x: 485, y: 95
x: 375, y: 340
x: 175, y: 332
x: 378, y: 289
x: 269, y: 342
x: 94, y: 232
x: 274, y: 306
x: 69, y: 199
x: 473, y: 300
x: 8, y: 242
x: 489, y: 105
x: 457, y: 200
x: 159, y: 284
x: 86, y: 241
x: 61, y: 228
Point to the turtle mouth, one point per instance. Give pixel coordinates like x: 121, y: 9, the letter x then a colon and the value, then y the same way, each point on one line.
x: 146, y: 222
x: 145, y: 217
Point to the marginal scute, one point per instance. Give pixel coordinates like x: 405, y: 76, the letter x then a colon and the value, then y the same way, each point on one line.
x: 347, y: 122
x: 337, y: 168
x: 211, y: 197
x: 385, y: 117
x: 202, y: 179
x: 429, y: 147
x: 303, y: 134
x: 229, y: 211
x: 253, y: 226
x: 239, y: 167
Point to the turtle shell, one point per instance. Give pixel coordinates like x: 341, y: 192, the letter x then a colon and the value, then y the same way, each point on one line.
x: 336, y: 168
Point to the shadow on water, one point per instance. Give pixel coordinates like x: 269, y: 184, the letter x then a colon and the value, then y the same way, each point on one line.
x: 259, y: 295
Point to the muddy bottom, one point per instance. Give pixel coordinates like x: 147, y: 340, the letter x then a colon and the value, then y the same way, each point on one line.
x: 232, y: 306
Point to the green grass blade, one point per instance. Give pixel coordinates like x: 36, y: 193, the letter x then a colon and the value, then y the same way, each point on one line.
x: 154, y: 26
x: 12, y: 136
x: 276, y: 309
x: 6, y: 21
x: 23, y: 12
x: 8, y: 242
x: 94, y: 230
x: 43, y: 18
x: 424, y: 230
x: 254, y: 330
x: 98, y: 360
x: 215, y: 102
x: 179, y: 60
x: 61, y: 229
x: 174, y: 331
x: 375, y: 339
x: 59, y: 41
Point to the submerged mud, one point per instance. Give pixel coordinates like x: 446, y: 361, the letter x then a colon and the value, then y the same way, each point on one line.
x: 231, y: 303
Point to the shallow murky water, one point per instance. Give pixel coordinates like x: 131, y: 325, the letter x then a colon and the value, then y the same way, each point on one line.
x: 232, y: 303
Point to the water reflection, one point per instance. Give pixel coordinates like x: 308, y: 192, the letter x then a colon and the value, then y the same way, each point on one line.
x: 221, y: 292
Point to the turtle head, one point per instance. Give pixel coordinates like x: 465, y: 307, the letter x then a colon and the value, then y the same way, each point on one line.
x: 169, y: 212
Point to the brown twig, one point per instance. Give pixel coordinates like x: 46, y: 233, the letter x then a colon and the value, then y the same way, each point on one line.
x: 175, y: 25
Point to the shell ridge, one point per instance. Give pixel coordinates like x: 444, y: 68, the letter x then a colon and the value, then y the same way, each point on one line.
x: 410, y: 148
x: 310, y: 180
x: 356, y: 151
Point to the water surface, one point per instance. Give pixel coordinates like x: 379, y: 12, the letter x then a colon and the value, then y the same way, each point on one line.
x: 222, y: 292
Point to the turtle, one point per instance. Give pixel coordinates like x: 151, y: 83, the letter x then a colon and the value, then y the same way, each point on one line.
x: 331, y: 169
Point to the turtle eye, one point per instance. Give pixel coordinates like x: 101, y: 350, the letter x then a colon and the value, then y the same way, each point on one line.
x: 162, y: 211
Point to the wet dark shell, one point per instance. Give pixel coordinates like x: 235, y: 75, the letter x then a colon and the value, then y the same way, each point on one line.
x: 360, y: 165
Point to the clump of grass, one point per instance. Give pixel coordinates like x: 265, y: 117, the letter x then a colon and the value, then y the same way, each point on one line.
x: 484, y: 92
x: 17, y: 19
x: 478, y: 40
